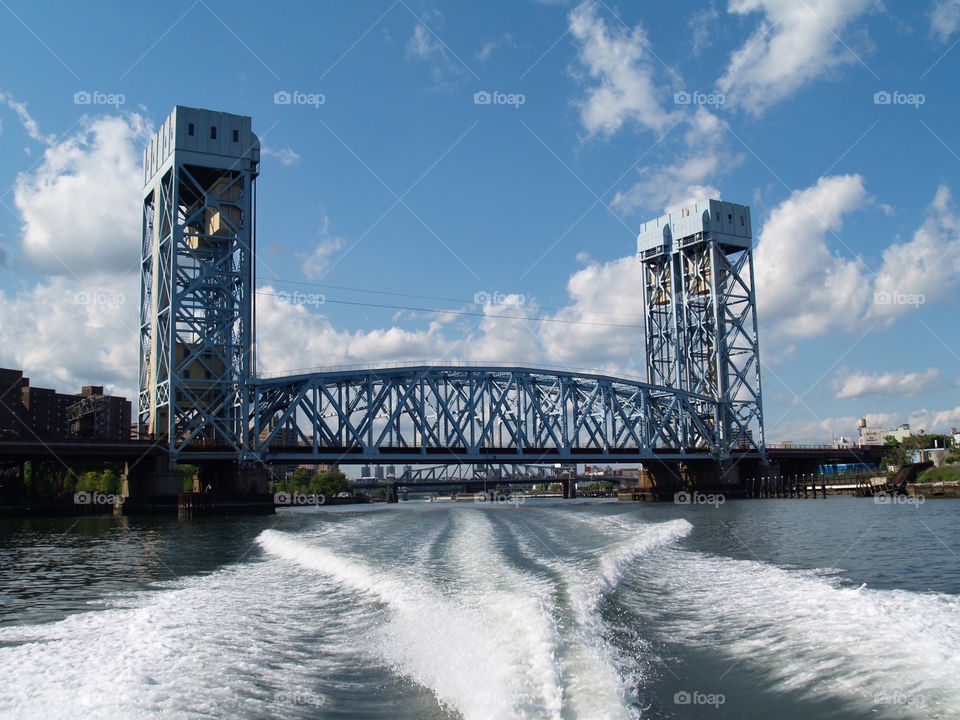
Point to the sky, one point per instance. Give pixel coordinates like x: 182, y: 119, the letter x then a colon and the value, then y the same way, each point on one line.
x: 466, y: 181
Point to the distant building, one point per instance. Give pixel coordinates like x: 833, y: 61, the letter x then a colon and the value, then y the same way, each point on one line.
x: 96, y: 415
x: 869, y: 435
x: 937, y: 456
x: 379, y: 472
x: 900, y: 434
x: 28, y: 411
x: 11, y: 402
x: 45, y: 411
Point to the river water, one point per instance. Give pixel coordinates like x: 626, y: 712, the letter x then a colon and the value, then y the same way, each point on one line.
x: 836, y: 607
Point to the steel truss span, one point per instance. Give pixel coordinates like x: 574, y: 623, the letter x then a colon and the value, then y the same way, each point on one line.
x: 477, y: 414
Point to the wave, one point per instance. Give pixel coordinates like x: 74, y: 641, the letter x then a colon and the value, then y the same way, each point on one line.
x: 894, y: 652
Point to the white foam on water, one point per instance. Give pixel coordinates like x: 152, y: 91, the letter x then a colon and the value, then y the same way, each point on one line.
x: 476, y: 658
x: 894, y: 651
x: 598, y: 681
x: 519, y: 604
x: 220, y: 645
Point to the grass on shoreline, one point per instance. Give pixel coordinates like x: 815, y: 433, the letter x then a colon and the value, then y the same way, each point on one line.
x: 947, y: 473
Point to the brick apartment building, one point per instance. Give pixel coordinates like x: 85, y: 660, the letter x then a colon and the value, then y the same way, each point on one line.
x: 27, y: 411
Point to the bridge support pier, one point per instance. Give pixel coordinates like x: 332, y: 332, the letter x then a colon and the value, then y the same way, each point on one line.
x: 219, y: 488
x: 569, y: 488
x: 392, y: 494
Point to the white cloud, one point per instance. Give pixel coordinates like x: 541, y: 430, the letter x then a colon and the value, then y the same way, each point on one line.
x: 490, y: 46
x: 795, y: 44
x: 618, y: 63
x: 806, y: 288
x: 803, y: 287
x: 927, y: 267
x: 422, y: 44
x: 621, y: 90
x: 290, y: 337
x: 702, y: 27
x: 945, y: 19
x: 601, y: 327
x: 286, y: 155
x: 425, y: 46
x: 823, y: 430
x: 65, y: 332
x: 858, y: 384
x: 81, y: 206
x: 317, y: 263
x: 607, y: 299
x: 26, y: 119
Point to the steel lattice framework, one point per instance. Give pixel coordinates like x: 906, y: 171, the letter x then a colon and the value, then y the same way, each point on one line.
x: 476, y: 414
x: 700, y: 319
x: 199, y: 394
x: 196, y: 278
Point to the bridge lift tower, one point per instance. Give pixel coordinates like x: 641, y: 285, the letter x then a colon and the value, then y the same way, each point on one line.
x: 700, y: 314
x: 196, y: 311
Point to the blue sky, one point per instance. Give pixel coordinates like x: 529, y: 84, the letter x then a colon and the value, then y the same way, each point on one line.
x: 399, y: 191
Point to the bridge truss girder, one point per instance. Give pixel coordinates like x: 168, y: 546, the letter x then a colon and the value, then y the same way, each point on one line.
x: 496, y: 414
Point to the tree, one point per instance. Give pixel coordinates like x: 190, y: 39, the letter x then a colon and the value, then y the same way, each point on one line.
x: 894, y: 453
x: 330, y: 483
x: 299, y: 481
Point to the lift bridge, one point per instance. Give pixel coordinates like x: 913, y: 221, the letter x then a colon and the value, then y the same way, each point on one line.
x: 201, y: 398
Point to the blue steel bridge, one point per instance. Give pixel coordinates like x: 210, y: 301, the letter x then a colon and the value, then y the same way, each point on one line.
x: 473, y: 413
x: 202, y: 400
